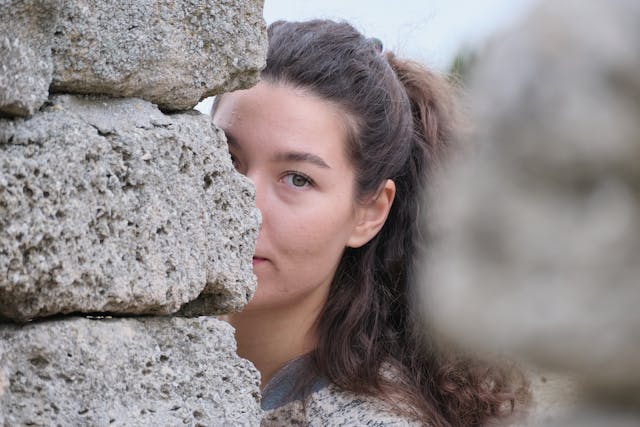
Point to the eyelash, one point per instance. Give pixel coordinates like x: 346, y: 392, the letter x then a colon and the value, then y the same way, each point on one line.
x: 308, y: 181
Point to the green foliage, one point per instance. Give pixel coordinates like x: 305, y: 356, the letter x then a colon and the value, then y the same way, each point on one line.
x: 462, y: 65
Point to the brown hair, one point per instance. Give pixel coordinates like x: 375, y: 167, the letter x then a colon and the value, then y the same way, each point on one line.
x: 404, y: 119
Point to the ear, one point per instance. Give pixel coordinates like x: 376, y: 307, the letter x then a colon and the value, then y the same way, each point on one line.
x: 372, y: 215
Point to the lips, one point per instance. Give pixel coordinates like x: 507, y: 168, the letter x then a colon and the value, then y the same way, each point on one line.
x: 258, y: 260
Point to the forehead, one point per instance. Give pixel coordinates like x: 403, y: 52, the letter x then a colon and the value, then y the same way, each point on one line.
x: 280, y: 115
x: 275, y: 101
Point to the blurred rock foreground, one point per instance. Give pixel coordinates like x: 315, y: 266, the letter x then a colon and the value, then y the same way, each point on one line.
x: 536, y: 242
x: 109, y: 206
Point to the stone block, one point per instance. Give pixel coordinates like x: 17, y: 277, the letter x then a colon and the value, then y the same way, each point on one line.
x: 537, y: 243
x: 25, y: 54
x: 172, y: 53
x: 126, y: 372
x: 110, y: 206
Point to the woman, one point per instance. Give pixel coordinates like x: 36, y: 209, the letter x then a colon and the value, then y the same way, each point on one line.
x: 338, y: 139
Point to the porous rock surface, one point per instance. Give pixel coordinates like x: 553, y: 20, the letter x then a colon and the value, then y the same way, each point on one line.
x: 126, y: 372
x: 172, y: 53
x: 111, y: 206
x: 26, y: 67
x: 538, y: 248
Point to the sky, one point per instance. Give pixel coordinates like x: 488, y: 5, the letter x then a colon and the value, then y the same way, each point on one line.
x: 429, y: 31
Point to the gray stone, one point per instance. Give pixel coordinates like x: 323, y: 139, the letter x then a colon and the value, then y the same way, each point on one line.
x: 4, y: 381
x: 25, y: 54
x: 111, y: 206
x: 127, y: 372
x: 593, y: 416
x: 555, y: 397
x: 172, y: 53
x: 536, y: 249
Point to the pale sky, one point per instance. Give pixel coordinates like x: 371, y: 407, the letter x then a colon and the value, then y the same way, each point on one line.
x: 429, y: 31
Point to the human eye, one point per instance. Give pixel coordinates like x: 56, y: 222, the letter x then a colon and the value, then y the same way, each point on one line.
x: 297, y: 180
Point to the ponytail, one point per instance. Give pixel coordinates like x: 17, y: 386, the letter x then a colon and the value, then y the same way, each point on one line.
x: 432, y: 106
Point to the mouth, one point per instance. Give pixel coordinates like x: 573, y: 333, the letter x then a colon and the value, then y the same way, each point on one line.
x: 258, y: 260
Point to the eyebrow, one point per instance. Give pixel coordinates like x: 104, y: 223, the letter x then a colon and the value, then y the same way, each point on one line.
x: 288, y: 156
x: 297, y: 156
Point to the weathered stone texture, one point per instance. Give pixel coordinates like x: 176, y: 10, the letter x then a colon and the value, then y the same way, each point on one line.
x: 26, y: 30
x: 4, y: 381
x: 172, y: 53
x: 108, y: 206
x: 126, y: 372
x: 111, y: 206
x: 538, y: 248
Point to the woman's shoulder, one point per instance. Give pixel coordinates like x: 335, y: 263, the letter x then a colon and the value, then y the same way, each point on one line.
x: 336, y: 407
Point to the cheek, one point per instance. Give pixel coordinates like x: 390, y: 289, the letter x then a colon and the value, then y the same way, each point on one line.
x: 321, y: 235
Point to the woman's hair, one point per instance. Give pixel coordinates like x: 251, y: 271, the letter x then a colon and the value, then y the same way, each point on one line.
x: 402, y: 119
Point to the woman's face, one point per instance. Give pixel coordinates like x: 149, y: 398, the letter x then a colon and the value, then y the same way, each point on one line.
x: 291, y: 145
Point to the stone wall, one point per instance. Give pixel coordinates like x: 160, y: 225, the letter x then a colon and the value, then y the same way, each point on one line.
x: 536, y: 246
x: 121, y: 215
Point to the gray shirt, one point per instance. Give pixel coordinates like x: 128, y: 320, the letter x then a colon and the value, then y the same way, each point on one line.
x: 326, y: 405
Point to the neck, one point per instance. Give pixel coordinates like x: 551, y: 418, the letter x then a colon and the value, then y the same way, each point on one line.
x: 272, y: 337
